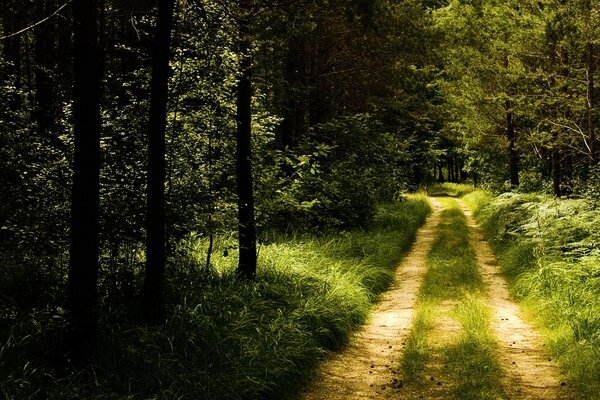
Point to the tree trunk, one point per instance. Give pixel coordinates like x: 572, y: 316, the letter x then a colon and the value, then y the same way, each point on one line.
x: 247, y: 227
x: 441, y: 167
x: 513, y: 157
x: 83, y: 262
x: 591, y: 103
x: 155, y: 213
x: 294, y: 126
x: 556, y: 169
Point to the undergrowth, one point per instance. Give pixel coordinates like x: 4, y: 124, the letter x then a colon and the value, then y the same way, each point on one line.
x: 549, y: 250
x: 449, y: 189
x: 225, y: 339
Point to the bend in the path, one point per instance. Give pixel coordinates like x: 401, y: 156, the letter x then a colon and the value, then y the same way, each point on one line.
x: 364, y: 370
x: 529, y: 373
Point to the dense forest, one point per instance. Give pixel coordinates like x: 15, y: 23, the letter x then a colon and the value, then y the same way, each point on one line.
x: 200, y: 198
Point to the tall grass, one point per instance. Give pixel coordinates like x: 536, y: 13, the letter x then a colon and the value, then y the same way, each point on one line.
x: 225, y: 339
x: 548, y: 249
x: 473, y: 356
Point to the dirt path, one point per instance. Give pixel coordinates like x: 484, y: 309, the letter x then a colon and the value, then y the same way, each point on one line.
x: 364, y: 369
x: 529, y: 373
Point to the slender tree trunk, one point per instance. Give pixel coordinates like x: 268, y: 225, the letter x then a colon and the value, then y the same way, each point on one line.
x: 556, y: 168
x: 513, y: 157
x: 457, y: 170
x: 441, y: 168
x: 294, y: 126
x: 83, y: 262
x: 591, y: 103
x: 157, y: 123
x: 247, y: 227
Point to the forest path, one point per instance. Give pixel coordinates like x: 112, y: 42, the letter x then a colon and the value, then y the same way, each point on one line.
x: 529, y: 373
x: 365, y: 369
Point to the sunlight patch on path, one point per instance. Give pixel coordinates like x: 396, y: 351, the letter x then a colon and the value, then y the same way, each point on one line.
x: 530, y: 374
x: 365, y: 369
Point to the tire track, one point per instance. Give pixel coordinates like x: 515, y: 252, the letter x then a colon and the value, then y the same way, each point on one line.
x: 529, y: 373
x: 365, y: 369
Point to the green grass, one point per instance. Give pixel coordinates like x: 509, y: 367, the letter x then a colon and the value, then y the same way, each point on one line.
x: 226, y: 339
x: 449, y: 189
x: 452, y: 268
x: 417, y: 349
x: 548, y: 250
x: 473, y: 357
x: 452, y: 275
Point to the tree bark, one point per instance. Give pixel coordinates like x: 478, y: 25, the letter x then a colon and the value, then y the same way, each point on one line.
x: 513, y: 157
x: 591, y: 103
x: 155, y: 212
x: 294, y: 126
x: 247, y: 227
x: 83, y: 262
x: 556, y: 171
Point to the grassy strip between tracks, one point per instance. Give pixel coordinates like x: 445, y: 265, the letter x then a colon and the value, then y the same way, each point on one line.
x: 467, y: 360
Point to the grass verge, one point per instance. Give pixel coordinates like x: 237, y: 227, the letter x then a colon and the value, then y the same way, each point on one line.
x: 547, y: 249
x: 452, y: 276
x: 449, y: 189
x: 225, y: 339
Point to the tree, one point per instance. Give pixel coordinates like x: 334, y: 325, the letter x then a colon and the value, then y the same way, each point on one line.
x: 246, y: 222
x: 83, y: 262
x: 155, y: 214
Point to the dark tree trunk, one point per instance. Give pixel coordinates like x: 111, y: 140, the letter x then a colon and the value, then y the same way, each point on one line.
x: 513, y: 157
x: 155, y: 213
x: 457, y: 169
x: 83, y: 262
x: 450, y: 170
x: 294, y: 127
x: 591, y: 103
x: 441, y: 168
x: 247, y: 227
x: 556, y: 168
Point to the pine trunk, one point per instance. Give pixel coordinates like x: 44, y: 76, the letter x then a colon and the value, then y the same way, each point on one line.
x: 513, y: 158
x: 591, y: 103
x: 247, y: 227
x: 83, y: 262
x: 155, y: 213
